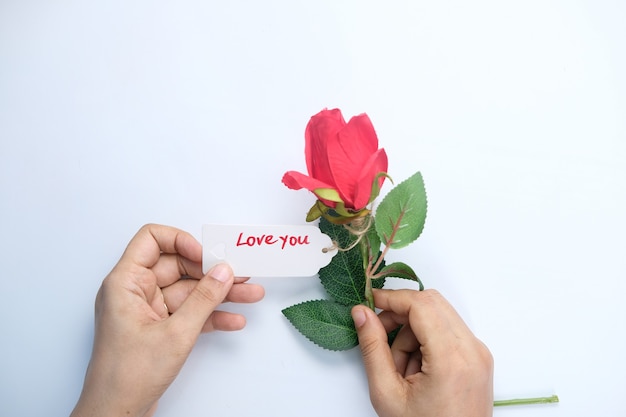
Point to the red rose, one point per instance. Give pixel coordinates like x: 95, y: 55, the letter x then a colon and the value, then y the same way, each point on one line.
x: 343, y: 160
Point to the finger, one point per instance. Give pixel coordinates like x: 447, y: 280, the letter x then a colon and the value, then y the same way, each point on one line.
x: 433, y: 320
x: 224, y: 321
x: 391, y: 321
x: 142, y: 285
x: 160, y: 306
x: 405, y: 350
x: 377, y: 359
x: 245, y: 293
x: 152, y: 239
x: 209, y: 292
x: 176, y: 294
x: 169, y: 268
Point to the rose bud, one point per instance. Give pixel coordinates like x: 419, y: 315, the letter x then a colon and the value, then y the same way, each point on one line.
x: 346, y: 168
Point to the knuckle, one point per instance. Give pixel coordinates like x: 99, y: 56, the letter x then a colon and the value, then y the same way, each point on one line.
x: 426, y: 298
x: 205, y: 293
x: 485, y: 356
x: 210, y: 291
x: 474, y: 359
x: 147, y: 227
x: 430, y: 295
x: 369, y: 346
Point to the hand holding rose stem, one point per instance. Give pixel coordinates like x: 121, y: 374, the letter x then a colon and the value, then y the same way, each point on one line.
x: 346, y: 171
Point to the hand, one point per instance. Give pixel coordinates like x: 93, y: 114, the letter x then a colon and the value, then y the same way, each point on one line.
x: 149, y: 312
x: 435, y: 366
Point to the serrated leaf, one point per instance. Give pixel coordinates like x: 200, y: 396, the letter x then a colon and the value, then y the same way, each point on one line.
x: 401, y: 215
x: 337, y: 233
x: 344, y: 277
x: 400, y: 270
x: 326, y: 323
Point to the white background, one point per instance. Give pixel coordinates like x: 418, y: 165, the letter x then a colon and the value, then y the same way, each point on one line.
x: 118, y: 113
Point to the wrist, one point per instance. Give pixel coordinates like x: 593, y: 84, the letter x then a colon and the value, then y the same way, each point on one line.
x: 100, y: 409
x: 101, y: 403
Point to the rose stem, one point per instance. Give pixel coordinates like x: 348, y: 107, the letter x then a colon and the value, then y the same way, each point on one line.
x: 369, y: 295
x: 366, y: 254
x: 526, y: 401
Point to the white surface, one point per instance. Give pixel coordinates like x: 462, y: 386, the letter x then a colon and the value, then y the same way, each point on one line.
x: 118, y: 113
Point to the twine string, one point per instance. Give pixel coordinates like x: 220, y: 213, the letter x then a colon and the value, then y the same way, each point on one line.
x: 359, y: 231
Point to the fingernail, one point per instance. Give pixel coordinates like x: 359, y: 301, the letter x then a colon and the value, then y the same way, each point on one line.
x: 221, y: 272
x: 358, y: 315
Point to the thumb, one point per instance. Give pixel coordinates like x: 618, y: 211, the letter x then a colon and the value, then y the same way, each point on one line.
x: 379, y: 365
x: 206, y: 296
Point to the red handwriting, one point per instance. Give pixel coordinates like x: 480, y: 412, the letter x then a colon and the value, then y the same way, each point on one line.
x: 271, y: 240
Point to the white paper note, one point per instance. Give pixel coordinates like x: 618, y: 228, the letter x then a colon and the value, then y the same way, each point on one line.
x: 266, y: 251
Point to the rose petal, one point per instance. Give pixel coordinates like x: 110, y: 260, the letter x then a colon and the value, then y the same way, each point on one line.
x: 296, y: 181
x: 361, y: 127
x: 348, y: 152
x: 320, y: 128
x: 377, y: 163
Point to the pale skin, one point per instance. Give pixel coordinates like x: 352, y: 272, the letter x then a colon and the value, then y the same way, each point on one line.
x: 154, y: 304
x: 435, y: 366
x: 139, y: 348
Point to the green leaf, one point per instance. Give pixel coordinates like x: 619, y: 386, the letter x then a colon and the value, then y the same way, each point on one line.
x: 325, y: 323
x: 317, y: 210
x: 401, y: 215
x: 341, y: 210
x: 344, y: 277
x: 329, y: 194
x: 337, y: 233
x: 375, y: 187
x: 399, y: 270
